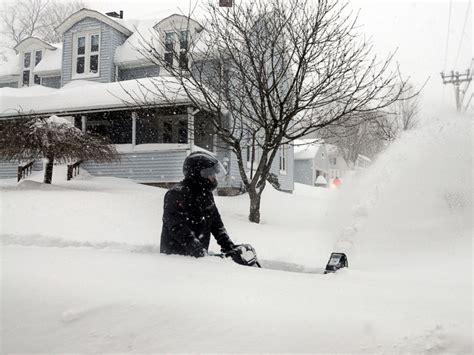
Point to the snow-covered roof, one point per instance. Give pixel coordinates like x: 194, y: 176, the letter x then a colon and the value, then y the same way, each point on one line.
x: 33, y: 41
x: 305, y: 149
x: 71, y: 98
x: 51, y: 61
x: 146, y: 33
x: 83, y: 13
x: 129, y: 52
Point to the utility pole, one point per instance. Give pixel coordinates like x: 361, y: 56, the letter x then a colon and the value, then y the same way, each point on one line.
x: 457, y: 79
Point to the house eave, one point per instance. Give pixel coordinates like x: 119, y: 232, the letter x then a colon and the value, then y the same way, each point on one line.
x: 26, y: 42
x: 48, y: 73
x: 88, y: 109
x: 83, y: 13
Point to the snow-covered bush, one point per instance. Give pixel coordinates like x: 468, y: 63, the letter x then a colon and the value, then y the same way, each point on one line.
x: 53, y: 138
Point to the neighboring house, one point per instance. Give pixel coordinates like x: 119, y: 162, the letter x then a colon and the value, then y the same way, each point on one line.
x: 91, y: 78
x: 338, y: 166
x: 311, y: 165
x: 362, y: 162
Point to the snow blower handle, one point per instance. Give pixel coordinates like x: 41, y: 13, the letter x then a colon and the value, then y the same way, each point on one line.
x: 244, y: 254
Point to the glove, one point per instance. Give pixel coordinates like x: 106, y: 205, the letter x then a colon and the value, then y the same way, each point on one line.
x: 244, y: 254
x: 195, y: 248
x: 228, y: 248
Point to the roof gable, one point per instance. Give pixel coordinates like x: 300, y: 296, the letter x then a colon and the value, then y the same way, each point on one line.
x: 83, y: 13
x: 33, y: 41
x: 179, y: 22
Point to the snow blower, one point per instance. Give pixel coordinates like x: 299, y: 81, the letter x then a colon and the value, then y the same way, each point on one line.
x: 336, y: 261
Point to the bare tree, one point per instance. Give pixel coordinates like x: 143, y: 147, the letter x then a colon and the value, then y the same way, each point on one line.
x: 357, y: 136
x: 54, y: 138
x: 401, y: 116
x: 38, y: 18
x: 272, y: 71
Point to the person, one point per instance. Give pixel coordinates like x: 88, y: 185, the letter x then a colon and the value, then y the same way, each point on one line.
x: 190, y: 214
x: 336, y: 182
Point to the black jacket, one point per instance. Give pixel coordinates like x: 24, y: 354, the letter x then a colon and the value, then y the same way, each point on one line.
x: 189, y: 217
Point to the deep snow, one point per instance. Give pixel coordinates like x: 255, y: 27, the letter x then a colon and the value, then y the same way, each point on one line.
x: 81, y: 272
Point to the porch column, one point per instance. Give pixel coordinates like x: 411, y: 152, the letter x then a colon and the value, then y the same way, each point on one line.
x: 84, y: 122
x: 190, y: 113
x: 134, y: 128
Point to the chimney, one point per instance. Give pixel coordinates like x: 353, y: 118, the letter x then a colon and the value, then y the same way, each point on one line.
x: 115, y: 14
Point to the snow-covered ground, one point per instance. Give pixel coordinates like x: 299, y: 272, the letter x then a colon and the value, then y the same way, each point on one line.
x: 80, y: 271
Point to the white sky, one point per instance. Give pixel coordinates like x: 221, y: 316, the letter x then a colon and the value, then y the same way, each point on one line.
x: 418, y: 30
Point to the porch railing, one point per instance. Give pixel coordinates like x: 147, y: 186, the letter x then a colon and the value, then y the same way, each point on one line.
x: 24, y: 170
x: 73, y: 170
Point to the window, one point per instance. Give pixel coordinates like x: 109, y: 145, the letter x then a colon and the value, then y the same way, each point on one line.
x: 26, y: 78
x: 38, y: 56
x: 169, y: 59
x: 283, y: 159
x: 171, y: 49
x: 26, y: 69
x: 333, y: 161
x: 183, y: 40
x: 86, y: 51
x: 27, y: 60
x: 183, y: 49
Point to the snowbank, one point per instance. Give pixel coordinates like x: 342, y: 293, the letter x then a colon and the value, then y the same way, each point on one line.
x: 81, y: 272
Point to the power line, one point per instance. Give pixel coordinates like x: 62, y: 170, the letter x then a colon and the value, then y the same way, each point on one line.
x: 447, y: 36
x: 462, y: 33
x: 457, y: 80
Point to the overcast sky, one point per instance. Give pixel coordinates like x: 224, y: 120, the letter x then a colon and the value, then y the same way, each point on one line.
x: 417, y: 30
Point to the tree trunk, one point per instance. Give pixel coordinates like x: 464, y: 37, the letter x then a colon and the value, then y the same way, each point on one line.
x: 48, y: 171
x: 255, y: 198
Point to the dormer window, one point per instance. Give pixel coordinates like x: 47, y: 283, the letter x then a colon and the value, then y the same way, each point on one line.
x: 172, y: 49
x: 26, y: 69
x: 38, y: 56
x: 28, y: 78
x: 169, y: 48
x: 86, y: 52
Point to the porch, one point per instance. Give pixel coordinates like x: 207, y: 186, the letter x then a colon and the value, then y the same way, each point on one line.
x: 152, y: 142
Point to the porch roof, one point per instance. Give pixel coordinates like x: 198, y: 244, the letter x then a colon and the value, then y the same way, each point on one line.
x: 82, y: 96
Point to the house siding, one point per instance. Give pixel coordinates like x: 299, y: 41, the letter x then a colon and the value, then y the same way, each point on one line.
x: 286, y: 180
x: 8, y: 169
x: 51, y: 82
x: 146, y: 167
x: 12, y: 84
x: 110, y: 39
x: 303, y: 172
x: 139, y: 72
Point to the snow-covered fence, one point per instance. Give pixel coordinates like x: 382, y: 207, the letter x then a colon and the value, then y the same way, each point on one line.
x: 73, y: 169
x: 24, y: 170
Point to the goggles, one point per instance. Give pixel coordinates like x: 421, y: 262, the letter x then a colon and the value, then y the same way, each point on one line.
x: 217, y: 170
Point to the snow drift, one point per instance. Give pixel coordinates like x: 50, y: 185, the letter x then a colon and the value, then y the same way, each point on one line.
x: 80, y: 271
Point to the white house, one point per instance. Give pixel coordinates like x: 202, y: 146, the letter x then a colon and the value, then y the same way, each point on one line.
x: 311, y: 165
x: 84, y: 77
